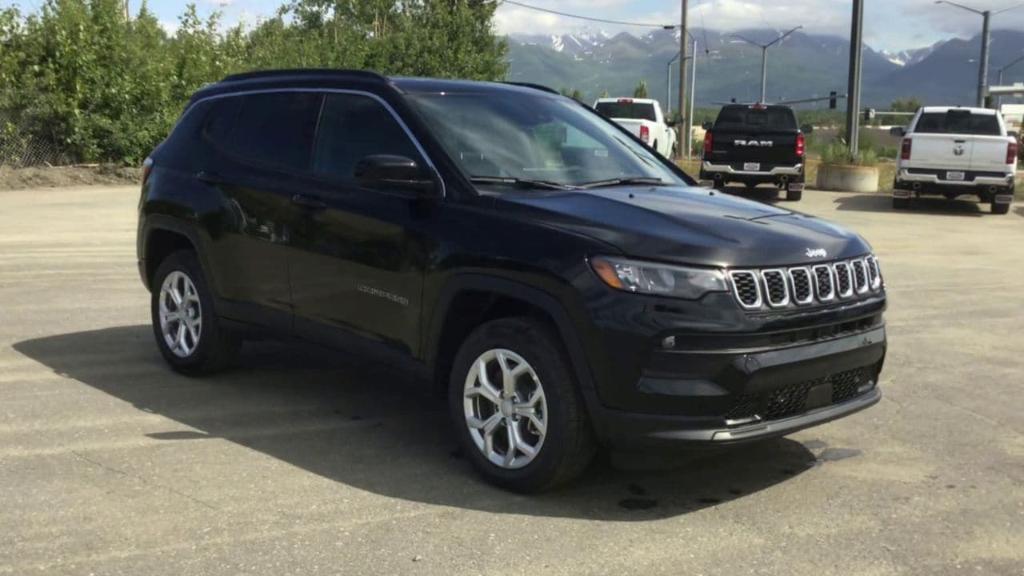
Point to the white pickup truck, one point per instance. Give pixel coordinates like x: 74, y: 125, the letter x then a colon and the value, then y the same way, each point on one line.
x: 642, y: 117
x: 953, y: 151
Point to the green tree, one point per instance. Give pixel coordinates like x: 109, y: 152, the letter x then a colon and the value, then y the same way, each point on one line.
x: 906, y: 105
x: 641, y: 90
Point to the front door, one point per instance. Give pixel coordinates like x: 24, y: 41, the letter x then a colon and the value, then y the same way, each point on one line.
x: 360, y: 254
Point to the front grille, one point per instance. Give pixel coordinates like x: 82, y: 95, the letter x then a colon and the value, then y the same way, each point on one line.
x: 775, y: 288
x: 860, y: 276
x: 801, y: 279
x: 791, y: 400
x: 778, y: 288
x: 745, y: 286
x: 823, y: 286
x: 844, y: 279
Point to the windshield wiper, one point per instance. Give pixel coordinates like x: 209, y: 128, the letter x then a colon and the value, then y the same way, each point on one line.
x: 521, y: 182
x: 634, y: 180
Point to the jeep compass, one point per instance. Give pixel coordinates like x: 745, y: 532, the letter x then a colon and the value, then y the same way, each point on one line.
x: 563, y: 285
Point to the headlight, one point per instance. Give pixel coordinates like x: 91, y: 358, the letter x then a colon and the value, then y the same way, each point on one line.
x: 658, y: 279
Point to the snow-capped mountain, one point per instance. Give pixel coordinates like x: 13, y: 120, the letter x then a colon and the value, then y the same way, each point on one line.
x: 910, y: 57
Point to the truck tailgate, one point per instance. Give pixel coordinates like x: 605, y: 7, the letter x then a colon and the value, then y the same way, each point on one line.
x: 989, y: 153
x: 733, y: 146
x: 942, y: 151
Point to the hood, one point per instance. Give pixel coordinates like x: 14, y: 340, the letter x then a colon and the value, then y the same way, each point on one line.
x: 690, y: 226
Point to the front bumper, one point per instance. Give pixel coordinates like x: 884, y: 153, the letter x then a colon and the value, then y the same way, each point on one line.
x: 740, y: 395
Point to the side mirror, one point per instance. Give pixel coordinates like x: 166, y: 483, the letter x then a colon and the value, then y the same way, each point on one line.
x: 898, y: 131
x: 807, y: 129
x: 708, y: 125
x: 1014, y: 135
x: 397, y: 173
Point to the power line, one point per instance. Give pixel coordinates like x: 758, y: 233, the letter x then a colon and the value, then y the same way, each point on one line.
x: 579, y: 17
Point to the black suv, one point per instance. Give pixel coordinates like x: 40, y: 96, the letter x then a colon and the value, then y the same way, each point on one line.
x: 563, y: 284
x: 755, y: 144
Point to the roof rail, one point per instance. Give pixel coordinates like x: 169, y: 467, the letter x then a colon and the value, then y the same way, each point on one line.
x: 366, y: 74
x: 540, y: 87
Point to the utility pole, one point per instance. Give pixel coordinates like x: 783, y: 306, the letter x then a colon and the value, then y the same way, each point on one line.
x: 684, y: 138
x: 764, y: 58
x: 856, y: 56
x: 668, y: 92
x: 986, y: 42
x: 693, y: 99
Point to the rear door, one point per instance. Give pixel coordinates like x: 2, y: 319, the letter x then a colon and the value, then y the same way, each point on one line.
x: 261, y: 146
x: 745, y: 135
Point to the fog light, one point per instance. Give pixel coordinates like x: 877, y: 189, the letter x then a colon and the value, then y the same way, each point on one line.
x: 865, y: 386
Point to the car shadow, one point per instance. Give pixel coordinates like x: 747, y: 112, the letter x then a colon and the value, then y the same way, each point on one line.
x: 355, y: 421
x: 926, y: 205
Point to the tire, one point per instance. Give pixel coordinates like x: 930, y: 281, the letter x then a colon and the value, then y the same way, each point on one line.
x: 901, y: 203
x: 215, y: 348
x: 564, y: 448
x: 794, y: 195
x: 1000, y: 209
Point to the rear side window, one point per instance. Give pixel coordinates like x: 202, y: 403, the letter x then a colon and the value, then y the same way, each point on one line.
x: 737, y: 118
x: 627, y: 110
x: 958, y: 122
x: 353, y: 127
x: 273, y: 129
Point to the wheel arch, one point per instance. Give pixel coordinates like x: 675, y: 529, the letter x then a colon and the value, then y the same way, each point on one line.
x: 468, y: 301
x: 163, y: 236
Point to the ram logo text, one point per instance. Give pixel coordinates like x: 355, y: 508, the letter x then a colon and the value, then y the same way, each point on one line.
x: 754, y: 143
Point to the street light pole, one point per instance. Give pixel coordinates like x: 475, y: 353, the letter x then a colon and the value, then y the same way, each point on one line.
x: 986, y: 41
x: 668, y: 92
x: 999, y: 80
x: 764, y: 58
x: 683, y: 33
x: 856, y: 59
x: 693, y: 99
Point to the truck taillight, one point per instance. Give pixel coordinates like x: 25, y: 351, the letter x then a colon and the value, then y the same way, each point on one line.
x: 709, y: 143
x: 907, y: 147
x: 801, y: 145
x: 645, y: 134
x: 1011, y: 153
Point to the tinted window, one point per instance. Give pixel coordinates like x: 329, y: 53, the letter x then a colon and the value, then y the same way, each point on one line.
x: 958, y: 122
x: 353, y: 127
x: 627, y: 110
x: 745, y: 117
x: 273, y: 129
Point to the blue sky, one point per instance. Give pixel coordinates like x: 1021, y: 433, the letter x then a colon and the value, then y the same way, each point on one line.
x: 890, y: 24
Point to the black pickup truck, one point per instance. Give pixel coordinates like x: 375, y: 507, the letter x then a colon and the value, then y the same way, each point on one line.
x: 755, y: 144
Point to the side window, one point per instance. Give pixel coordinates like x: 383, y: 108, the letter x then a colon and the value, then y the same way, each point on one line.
x: 353, y: 127
x: 272, y: 129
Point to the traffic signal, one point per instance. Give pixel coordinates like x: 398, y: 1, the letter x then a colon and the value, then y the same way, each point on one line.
x: 833, y: 100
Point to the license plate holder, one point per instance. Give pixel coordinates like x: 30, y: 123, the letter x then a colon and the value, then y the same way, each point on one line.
x: 751, y: 166
x: 955, y: 176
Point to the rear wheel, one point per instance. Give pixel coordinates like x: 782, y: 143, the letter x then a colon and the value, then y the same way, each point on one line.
x: 185, y: 324
x: 794, y: 195
x: 901, y: 203
x: 1000, y: 208
x: 516, y: 408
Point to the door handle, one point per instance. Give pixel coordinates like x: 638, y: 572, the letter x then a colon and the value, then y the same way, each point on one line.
x: 308, y: 202
x: 210, y: 177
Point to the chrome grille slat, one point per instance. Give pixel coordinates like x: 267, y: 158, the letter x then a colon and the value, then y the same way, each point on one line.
x: 844, y: 279
x: 826, y: 283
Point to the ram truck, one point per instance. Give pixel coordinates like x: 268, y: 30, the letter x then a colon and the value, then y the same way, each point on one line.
x: 956, y: 151
x: 755, y: 144
x: 642, y: 117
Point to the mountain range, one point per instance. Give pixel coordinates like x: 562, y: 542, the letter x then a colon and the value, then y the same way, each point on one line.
x: 802, y: 66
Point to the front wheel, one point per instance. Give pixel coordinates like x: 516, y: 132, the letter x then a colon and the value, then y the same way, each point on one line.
x: 517, y: 411
x: 187, y: 329
x: 1000, y: 209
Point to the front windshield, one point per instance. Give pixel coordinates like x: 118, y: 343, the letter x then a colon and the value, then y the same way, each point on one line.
x: 536, y: 139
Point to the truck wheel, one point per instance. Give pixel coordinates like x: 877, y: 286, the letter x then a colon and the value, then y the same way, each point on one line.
x: 794, y: 195
x: 516, y: 408
x: 901, y: 203
x: 185, y: 324
x: 1000, y: 208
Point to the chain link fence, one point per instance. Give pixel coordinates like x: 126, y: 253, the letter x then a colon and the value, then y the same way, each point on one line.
x: 19, y: 148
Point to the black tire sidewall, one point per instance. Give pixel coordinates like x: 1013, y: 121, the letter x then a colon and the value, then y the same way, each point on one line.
x: 534, y: 343
x: 210, y: 352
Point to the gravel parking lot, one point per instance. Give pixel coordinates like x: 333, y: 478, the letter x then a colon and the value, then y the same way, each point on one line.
x: 305, y: 461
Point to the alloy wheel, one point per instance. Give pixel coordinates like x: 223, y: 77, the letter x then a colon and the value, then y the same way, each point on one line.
x: 181, y: 314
